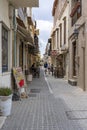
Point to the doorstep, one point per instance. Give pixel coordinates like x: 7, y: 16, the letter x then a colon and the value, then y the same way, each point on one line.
x: 72, y: 82
x: 2, y: 120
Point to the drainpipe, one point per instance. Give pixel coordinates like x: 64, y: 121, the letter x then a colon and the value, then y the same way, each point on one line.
x: 14, y: 24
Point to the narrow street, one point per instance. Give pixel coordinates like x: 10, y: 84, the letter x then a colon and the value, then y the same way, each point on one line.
x: 52, y: 104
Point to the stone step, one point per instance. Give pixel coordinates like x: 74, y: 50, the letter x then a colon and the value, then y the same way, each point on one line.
x: 72, y: 82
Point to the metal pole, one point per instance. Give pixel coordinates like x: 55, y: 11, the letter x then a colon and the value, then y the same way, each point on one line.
x: 14, y: 22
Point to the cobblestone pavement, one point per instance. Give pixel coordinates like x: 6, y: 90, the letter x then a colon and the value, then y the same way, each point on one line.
x: 52, y: 105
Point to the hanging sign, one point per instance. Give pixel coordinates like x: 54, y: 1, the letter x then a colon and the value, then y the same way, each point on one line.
x: 54, y: 52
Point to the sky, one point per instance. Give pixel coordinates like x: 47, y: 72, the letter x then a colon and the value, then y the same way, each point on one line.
x: 44, y: 19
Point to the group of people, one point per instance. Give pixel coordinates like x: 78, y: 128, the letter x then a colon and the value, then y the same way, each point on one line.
x: 34, y: 70
x: 48, y: 68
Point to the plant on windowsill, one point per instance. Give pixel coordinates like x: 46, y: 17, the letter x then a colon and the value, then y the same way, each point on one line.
x: 5, y: 101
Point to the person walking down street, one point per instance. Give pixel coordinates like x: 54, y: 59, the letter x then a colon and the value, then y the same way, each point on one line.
x: 45, y: 66
x: 33, y: 69
x: 49, y: 68
x: 52, y: 69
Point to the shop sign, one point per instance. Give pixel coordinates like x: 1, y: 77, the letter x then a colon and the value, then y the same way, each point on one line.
x: 54, y: 52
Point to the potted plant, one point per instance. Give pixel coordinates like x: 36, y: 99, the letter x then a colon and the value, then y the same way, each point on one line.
x: 5, y: 101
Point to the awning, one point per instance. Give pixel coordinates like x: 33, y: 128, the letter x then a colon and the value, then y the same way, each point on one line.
x: 24, y: 3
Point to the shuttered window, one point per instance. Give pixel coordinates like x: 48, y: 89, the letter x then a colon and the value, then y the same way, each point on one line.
x: 4, y: 50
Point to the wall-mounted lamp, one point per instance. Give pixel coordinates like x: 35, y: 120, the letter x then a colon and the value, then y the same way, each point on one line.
x: 76, y: 31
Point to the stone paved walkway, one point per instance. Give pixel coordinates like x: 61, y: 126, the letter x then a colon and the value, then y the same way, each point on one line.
x: 56, y: 106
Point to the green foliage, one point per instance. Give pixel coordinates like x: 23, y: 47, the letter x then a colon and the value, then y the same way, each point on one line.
x: 5, y: 91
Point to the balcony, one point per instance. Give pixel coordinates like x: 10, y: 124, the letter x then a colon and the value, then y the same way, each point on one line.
x: 64, y: 48
x: 24, y: 3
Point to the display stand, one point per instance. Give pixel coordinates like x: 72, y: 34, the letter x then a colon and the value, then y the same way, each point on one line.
x: 20, y: 82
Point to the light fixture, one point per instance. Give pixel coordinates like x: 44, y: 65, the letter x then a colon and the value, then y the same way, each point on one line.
x: 76, y: 31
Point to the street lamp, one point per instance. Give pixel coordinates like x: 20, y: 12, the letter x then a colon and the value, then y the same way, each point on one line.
x: 76, y: 31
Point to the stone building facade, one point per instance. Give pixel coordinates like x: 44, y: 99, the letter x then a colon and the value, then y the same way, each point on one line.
x: 78, y: 43
x: 8, y: 35
x: 59, y: 36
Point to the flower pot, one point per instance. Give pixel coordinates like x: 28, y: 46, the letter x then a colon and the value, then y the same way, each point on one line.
x: 5, y: 105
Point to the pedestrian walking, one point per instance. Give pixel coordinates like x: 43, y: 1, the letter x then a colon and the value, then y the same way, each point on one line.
x: 33, y: 69
x: 52, y: 69
x: 45, y: 66
x: 49, y: 68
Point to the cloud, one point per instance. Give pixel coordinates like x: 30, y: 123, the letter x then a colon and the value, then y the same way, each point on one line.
x: 42, y: 45
x: 44, y: 11
x: 45, y: 31
x: 44, y: 25
x: 44, y: 19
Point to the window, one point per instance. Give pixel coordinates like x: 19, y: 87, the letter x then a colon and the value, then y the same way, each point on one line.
x: 60, y: 35
x: 4, y: 50
x: 76, y: 10
x: 57, y: 38
x: 65, y: 30
x: 76, y: 16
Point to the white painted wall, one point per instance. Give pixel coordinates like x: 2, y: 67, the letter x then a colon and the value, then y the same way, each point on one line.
x: 5, y: 78
x: 0, y: 48
x: 4, y: 12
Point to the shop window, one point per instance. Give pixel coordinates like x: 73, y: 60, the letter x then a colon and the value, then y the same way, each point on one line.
x: 4, y: 49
